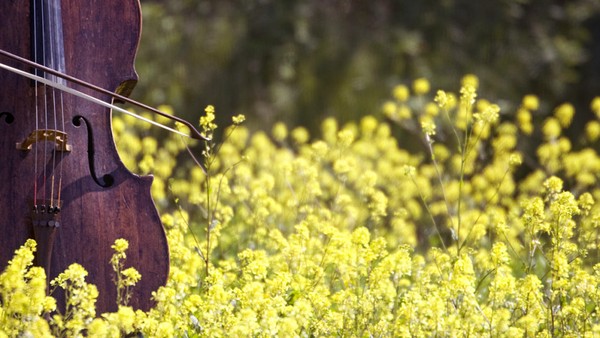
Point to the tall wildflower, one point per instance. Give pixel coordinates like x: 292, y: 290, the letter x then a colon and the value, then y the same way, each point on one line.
x: 125, y: 278
x: 80, y: 301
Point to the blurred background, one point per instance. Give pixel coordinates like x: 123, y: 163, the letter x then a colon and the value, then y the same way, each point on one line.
x: 298, y: 61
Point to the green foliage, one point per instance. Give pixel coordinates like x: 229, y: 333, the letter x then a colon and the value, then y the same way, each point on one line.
x: 299, y: 61
x: 348, y: 234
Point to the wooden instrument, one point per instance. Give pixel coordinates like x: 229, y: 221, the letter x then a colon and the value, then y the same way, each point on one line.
x: 63, y: 182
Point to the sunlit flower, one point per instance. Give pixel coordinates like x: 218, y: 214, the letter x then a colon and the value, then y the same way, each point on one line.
x: 470, y: 80
x: 401, y: 93
x: 421, y: 86
x: 595, y: 106
x: 531, y: 102
x: 238, y: 119
x: 552, y: 128
x: 564, y: 113
x: 428, y: 128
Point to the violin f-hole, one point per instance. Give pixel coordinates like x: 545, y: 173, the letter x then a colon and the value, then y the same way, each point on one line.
x: 107, y: 180
x: 8, y: 117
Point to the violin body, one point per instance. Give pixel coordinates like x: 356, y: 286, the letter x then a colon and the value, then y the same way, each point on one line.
x: 63, y: 181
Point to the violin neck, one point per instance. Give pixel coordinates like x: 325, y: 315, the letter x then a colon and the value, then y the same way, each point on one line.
x: 47, y: 37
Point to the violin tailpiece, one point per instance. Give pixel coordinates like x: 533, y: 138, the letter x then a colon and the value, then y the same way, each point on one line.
x: 45, y: 217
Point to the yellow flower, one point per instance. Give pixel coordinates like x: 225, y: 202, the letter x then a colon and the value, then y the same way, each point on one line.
x: 468, y: 95
x: 500, y: 254
x: 346, y: 137
x: 421, y: 86
x: 564, y: 113
x: 470, y: 80
x: 431, y: 109
x: 441, y: 99
x: 75, y: 273
x: 595, y: 106
x: 403, y: 113
x: 553, y: 185
x: 441, y: 152
x: 515, y: 160
x: 207, y: 121
x: 130, y: 276
x: 320, y: 148
x: 585, y: 202
x: 531, y: 102
x: 368, y: 125
x: 489, y: 115
x: 401, y: 93
x: 361, y: 236
x: 238, y: 119
x: 279, y: 132
x: 551, y: 128
x: 592, y: 131
x: 524, y: 121
x: 342, y: 166
x: 98, y: 328
x: 121, y: 245
x: 300, y: 135
x: 149, y: 145
x: 389, y: 109
x: 409, y: 170
x: 428, y: 127
x: 126, y: 319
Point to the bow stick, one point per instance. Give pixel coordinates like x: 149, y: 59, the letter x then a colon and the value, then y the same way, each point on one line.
x: 195, y: 134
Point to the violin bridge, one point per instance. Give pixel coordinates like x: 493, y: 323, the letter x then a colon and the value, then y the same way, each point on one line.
x: 59, y: 138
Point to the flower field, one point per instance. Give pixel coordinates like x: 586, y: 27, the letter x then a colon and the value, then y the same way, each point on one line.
x: 443, y: 215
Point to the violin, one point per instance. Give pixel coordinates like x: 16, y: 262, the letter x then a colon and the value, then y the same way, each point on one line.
x: 64, y: 64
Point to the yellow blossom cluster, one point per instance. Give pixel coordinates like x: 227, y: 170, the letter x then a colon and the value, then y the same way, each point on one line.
x: 474, y: 231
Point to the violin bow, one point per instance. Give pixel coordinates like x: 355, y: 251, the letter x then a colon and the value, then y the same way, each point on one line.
x: 194, y: 133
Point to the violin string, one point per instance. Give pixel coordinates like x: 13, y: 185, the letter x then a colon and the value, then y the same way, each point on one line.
x: 61, y: 67
x: 35, y: 86
x: 45, y: 158
x: 45, y: 93
x: 35, y: 165
x: 60, y: 176
x: 53, y: 64
x: 53, y: 153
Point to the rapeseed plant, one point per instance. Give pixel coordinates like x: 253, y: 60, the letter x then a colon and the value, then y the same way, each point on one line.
x: 482, y: 233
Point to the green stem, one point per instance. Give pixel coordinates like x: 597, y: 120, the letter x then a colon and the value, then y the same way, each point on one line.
x: 437, y: 229
x: 439, y: 175
x: 208, y: 225
x: 462, y: 174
